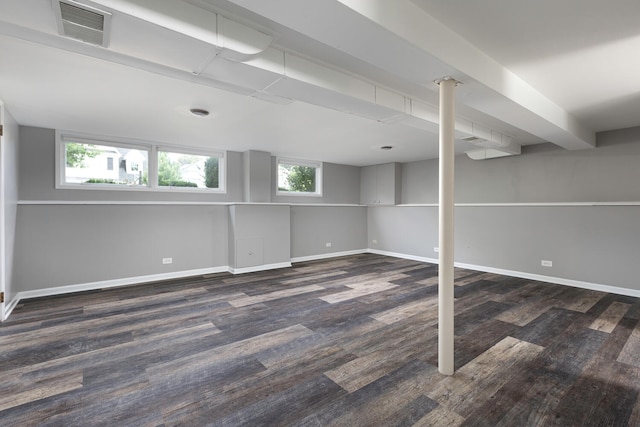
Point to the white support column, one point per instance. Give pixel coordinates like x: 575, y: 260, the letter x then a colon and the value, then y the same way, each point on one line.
x: 446, y: 226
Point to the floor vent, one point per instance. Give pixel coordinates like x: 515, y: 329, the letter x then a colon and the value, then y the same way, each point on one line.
x: 82, y: 22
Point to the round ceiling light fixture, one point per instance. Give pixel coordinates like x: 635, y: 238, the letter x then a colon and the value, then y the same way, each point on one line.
x: 199, y: 112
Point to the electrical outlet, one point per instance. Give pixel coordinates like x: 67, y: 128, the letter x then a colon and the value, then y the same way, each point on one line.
x: 328, y: 244
x: 374, y: 241
x: 436, y: 249
x: 546, y: 263
x: 167, y: 260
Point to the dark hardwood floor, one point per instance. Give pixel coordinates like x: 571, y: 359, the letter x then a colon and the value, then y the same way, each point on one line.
x: 345, y: 342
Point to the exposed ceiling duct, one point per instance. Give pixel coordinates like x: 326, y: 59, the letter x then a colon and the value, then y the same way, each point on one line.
x: 233, y: 40
x: 241, y: 57
x: 82, y: 22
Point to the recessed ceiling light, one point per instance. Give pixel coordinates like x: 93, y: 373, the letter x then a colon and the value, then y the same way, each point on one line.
x: 200, y: 112
x: 386, y: 147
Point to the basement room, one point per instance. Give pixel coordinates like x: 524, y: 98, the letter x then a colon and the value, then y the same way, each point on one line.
x: 319, y: 213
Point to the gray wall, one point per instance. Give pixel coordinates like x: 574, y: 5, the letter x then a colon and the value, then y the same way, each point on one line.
x: 260, y: 236
x: 10, y: 182
x: 341, y: 185
x: 345, y: 227
x: 60, y: 245
x: 543, y: 173
x: 63, y: 244
x: 595, y: 244
x: 257, y: 176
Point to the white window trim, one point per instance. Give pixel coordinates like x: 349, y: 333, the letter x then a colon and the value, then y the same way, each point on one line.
x: 297, y: 162
x: 222, y: 168
x: 152, y: 150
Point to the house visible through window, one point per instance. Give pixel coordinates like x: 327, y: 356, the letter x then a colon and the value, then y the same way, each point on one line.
x: 91, y: 163
x: 298, y: 177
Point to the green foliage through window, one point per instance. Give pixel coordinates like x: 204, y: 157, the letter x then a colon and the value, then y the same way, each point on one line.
x: 297, y: 178
x: 211, y: 173
x: 93, y: 163
x: 187, y: 170
x: 76, y: 154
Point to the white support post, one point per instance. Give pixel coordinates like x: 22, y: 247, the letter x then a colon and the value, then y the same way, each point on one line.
x: 446, y: 227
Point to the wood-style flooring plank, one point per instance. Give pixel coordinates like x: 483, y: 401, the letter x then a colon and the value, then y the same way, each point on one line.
x: 610, y: 318
x: 478, y: 380
x: 349, y: 341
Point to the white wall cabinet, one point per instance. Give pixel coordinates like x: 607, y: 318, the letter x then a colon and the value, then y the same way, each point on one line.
x: 380, y: 184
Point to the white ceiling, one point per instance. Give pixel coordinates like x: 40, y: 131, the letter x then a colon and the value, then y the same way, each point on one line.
x: 347, y: 66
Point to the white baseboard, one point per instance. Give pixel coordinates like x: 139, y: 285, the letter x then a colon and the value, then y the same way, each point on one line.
x: 205, y: 271
x: 522, y: 275
x: 403, y: 256
x: 9, y: 307
x: 328, y: 255
x: 104, y: 284
x: 264, y: 267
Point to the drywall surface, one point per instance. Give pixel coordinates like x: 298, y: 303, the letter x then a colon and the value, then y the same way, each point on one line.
x: 578, y: 209
x: 261, y: 232
x: 9, y: 181
x: 341, y: 185
x: 62, y: 245
x: 591, y: 244
x: 313, y: 227
x: 542, y: 174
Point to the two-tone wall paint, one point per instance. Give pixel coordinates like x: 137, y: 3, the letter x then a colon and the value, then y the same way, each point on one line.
x: 579, y: 209
x: 72, y: 240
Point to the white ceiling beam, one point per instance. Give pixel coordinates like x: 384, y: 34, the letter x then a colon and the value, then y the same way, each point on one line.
x: 401, y: 38
x: 527, y: 105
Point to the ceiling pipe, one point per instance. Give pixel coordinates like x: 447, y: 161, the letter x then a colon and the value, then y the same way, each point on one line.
x: 234, y: 40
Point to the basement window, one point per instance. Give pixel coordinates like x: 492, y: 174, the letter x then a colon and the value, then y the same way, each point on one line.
x: 190, y: 170
x: 101, y: 164
x: 299, y: 177
x: 96, y: 163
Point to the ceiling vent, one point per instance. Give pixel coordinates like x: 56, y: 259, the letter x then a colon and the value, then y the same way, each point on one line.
x: 82, y: 22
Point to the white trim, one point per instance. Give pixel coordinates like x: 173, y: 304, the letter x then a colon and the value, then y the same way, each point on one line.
x: 263, y: 267
x: 328, y: 255
x: 317, y: 165
x: 152, y: 202
x: 221, y: 155
x: 152, y: 149
x: 557, y: 280
x: 111, y: 202
x: 8, y: 309
x: 462, y: 205
x: 105, y: 284
x: 520, y: 274
x: 521, y: 205
x: 213, y: 270
x: 3, y: 313
x: 403, y: 256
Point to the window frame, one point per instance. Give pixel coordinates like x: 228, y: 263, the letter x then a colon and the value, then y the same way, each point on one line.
x: 152, y: 149
x: 222, y: 163
x: 317, y: 165
x: 62, y: 138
